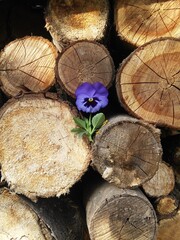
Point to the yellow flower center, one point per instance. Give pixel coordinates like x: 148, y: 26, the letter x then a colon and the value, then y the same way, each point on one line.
x: 90, y: 100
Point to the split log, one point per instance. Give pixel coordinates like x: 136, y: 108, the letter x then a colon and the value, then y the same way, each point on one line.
x: 84, y: 61
x: 40, y: 157
x: 48, y: 219
x: 19, y: 221
x: 169, y: 228
x: 148, y: 83
x: 113, y: 213
x: 162, y: 183
x: 127, y: 151
x: 27, y: 65
x: 138, y: 22
x: 166, y: 206
x: 72, y: 20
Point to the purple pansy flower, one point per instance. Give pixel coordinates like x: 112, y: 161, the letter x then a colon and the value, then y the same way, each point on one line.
x: 91, y: 97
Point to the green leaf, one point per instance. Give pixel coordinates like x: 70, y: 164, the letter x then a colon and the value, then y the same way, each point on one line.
x: 79, y: 131
x: 98, y: 120
x: 80, y: 122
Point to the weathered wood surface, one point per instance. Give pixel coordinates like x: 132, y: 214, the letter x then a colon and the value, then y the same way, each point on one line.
x: 138, y: 22
x: 127, y: 151
x: 162, y: 183
x: 148, y: 83
x: 27, y: 65
x: 113, y: 213
x: 70, y: 21
x: 84, y: 61
x: 39, y: 155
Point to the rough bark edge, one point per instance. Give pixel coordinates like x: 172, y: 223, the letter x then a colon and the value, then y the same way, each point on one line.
x: 62, y: 42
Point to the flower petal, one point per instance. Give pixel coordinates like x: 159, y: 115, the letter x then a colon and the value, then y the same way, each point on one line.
x: 100, y: 89
x: 104, y: 102
x: 85, y: 88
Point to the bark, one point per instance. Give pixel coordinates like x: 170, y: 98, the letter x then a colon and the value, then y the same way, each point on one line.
x: 62, y: 216
x: 127, y: 151
x: 113, y: 213
x: 138, y: 22
x: 27, y: 65
x: 169, y: 228
x: 162, y: 183
x: 19, y: 221
x: 148, y: 83
x: 84, y: 61
x: 166, y: 206
x: 73, y: 20
x: 40, y: 157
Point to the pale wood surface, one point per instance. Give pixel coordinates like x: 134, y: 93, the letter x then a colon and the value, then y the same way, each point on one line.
x: 27, y: 65
x: 40, y: 156
x: 141, y: 21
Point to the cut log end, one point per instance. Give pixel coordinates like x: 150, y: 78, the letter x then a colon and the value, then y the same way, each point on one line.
x: 140, y: 21
x: 127, y: 151
x: 166, y: 206
x: 19, y: 221
x: 162, y: 183
x: 113, y: 213
x: 148, y: 83
x: 40, y: 157
x: 27, y: 65
x: 70, y: 21
x: 84, y: 61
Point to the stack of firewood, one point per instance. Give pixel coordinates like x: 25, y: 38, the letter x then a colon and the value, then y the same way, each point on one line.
x: 126, y: 183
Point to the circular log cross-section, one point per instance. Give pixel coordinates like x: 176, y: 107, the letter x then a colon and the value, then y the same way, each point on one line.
x: 127, y: 151
x: 148, y: 83
x: 19, y: 221
x: 74, y: 20
x: 113, y: 213
x: 40, y: 157
x: 27, y: 65
x: 162, y: 183
x: 141, y: 21
x: 84, y: 61
x: 167, y: 206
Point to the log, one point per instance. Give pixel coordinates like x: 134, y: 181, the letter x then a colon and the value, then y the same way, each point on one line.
x: 139, y: 22
x: 63, y: 217
x: 48, y: 219
x: 169, y: 228
x: 127, y: 151
x: 113, y: 213
x: 166, y: 206
x: 148, y: 83
x: 40, y: 157
x: 19, y: 221
x: 73, y: 20
x: 27, y: 65
x: 84, y: 61
x: 162, y: 183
